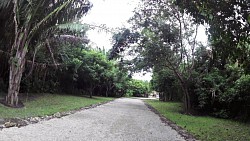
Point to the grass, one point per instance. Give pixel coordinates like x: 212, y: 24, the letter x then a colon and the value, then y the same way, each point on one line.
x: 48, y: 104
x: 203, y: 128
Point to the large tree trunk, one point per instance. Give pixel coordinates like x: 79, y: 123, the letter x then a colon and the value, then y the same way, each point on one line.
x: 17, y: 59
x: 17, y: 65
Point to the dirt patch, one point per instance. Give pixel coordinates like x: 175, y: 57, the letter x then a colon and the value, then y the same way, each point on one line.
x: 179, y: 129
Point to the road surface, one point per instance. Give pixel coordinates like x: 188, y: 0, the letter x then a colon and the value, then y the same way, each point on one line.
x: 120, y: 120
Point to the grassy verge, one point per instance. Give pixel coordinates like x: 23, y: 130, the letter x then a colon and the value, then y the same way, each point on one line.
x: 203, y: 128
x: 48, y: 104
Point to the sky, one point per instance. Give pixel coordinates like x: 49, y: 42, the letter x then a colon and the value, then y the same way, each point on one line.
x: 112, y: 14
x: 115, y: 14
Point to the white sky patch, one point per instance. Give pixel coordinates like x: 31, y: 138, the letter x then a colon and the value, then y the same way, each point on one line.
x: 143, y: 76
x: 113, y: 14
x: 201, y: 35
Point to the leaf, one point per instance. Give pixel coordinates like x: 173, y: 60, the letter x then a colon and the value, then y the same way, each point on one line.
x: 211, y: 16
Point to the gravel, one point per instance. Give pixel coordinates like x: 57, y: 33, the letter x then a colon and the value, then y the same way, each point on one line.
x: 120, y: 120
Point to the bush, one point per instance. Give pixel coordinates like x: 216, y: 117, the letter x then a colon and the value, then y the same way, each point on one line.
x: 238, y: 98
x: 223, y: 93
x: 208, y: 88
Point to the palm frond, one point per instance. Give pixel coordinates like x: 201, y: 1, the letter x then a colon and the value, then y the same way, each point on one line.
x: 5, y: 3
x: 76, y: 29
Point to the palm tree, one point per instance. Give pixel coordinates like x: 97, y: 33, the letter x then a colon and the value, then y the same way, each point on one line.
x: 33, y: 22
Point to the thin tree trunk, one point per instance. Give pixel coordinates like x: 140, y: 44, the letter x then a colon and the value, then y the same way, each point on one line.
x: 165, y: 96
x: 187, y: 103
x: 170, y: 95
x: 91, y: 93
x: 92, y: 87
x: 107, y: 90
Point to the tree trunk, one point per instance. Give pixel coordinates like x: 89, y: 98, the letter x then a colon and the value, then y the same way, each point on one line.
x: 187, y: 103
x: 170, y: 98
x: 92, y: 87
x: 107, y: 90
x: 165, y: 96
x: 17, y: 59
x: 17, y: 65
x: 91, y: 93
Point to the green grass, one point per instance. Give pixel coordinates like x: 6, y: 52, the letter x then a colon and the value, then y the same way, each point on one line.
x: 48, y: 104
x: 203, y: 128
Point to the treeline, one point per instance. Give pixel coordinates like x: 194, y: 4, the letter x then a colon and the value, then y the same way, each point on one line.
x: 210, y: 79
x: 79, y: 70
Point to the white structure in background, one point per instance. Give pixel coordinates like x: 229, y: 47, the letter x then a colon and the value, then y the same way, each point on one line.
x: 154, y: 94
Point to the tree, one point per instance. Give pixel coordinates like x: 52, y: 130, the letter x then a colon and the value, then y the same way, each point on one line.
x: 229, y: 27
x: 167, y: 40
x: 227, y: 66
x: 33, y: 24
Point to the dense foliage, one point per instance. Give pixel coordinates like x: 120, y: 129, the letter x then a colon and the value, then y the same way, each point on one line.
x: 79, y: 70
x: 138, y: 88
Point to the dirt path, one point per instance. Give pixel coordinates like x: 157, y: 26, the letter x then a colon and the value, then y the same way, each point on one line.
x: 121, y: 120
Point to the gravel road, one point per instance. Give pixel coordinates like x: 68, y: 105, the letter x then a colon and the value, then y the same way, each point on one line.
x: 120, y: 120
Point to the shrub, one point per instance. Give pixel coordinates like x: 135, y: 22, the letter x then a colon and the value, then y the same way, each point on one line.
x: 238, y: 98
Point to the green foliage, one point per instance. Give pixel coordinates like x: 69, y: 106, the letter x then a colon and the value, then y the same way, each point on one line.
x: 121, y: 42
x: 80, y: 70
x: 241, y: 89
x: 138, y: 88
x: 93, y: 72
x: 238, y: 98
x: 164, y: 82
x: 229, y: 38
x: 203, y: 128
x: 223, y: 93
x: 208, y: 87
x: 75, y: 28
